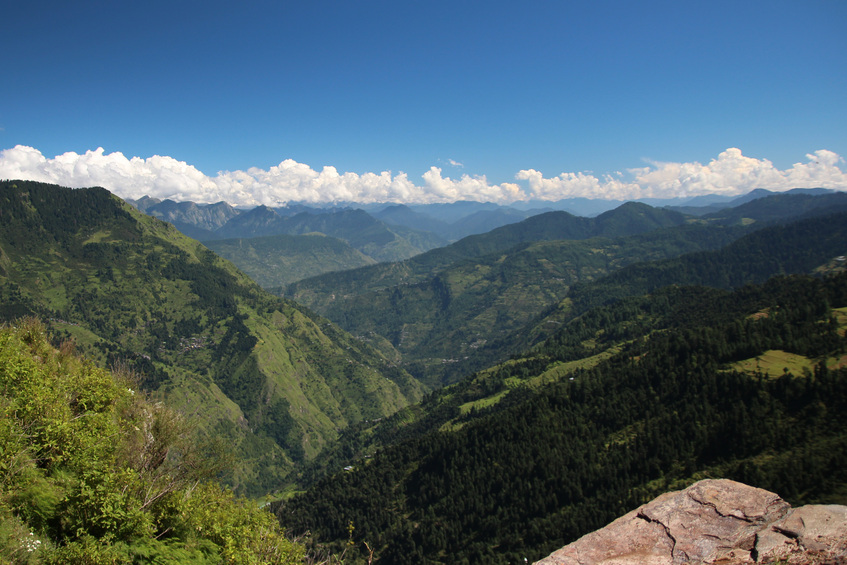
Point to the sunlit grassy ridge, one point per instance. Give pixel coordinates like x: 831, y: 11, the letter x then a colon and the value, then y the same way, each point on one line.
x: 276, y: 381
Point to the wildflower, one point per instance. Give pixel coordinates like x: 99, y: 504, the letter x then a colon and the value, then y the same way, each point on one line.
x: 31, y: 543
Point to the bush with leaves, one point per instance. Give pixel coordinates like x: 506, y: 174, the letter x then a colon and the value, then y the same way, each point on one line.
x: 93, y: 471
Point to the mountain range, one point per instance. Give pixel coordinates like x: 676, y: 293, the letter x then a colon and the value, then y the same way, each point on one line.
x: 481, y: 401
x: 360, y: 230
x: 459, y: 308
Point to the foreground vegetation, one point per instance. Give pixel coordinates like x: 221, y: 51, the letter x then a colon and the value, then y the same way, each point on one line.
x: 94, y: 471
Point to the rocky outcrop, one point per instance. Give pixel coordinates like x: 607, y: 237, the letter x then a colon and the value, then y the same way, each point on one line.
x: 715, y: 521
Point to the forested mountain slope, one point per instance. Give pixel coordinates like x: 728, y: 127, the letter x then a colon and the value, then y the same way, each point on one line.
x: 765, y: 206
x: 803, y: 247
x: 714, y: 204
x: 480, y: 221
x: 465, y: 317
x: 277, y: 381
x: 358, y: 228
x: 194, y: 220
x: 624, y: 402
x: 439, y: 308
x: 278, y: 260
x: 797, y: 247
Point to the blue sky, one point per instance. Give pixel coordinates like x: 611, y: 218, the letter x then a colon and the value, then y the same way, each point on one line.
x: 479, y: 90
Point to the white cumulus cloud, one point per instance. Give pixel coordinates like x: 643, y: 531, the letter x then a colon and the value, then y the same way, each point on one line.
x: 165, y: 177
x: 729, y: 173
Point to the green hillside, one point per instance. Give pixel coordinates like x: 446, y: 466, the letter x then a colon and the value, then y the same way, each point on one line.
x: 465, y: 317
x: 622, y: 403
x: 278, y: 260
x: 798, y: 247
x: 779, y: 206
x: 93, y: 471
x: 273, y: 379
x: 358, y: 228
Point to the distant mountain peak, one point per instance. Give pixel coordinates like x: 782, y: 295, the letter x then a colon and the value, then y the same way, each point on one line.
x: 262, y: 209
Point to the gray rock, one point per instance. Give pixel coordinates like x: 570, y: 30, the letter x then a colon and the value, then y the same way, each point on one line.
x: 715, y: 521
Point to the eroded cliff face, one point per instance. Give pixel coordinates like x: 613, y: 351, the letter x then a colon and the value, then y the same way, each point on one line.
x: 715, y: 521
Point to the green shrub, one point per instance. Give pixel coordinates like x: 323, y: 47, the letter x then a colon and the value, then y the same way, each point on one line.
x: 93, y: 472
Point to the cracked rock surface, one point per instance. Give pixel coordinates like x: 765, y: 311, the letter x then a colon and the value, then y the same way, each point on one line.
x: 715, y: 521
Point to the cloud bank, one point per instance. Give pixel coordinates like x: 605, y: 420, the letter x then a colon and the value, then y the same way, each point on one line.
x: 730, y: 173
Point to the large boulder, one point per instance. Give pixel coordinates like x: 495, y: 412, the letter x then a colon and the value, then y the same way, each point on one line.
x: 715, y: 521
